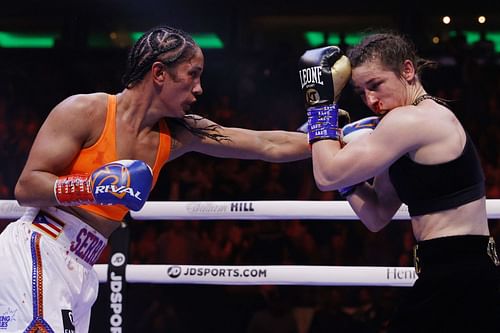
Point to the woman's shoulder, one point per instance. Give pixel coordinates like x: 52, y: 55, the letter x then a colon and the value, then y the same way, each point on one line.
x: 85, y: 100
x: 420, y: 114
x: 82, y: 105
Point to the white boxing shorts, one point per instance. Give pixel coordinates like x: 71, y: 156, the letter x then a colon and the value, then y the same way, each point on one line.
x: 47, y: 283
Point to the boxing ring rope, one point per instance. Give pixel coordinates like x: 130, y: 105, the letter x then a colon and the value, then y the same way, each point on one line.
x: 266, y: 210
x: 245, y: 210
x: 258, y: 274
x: 267, y: 275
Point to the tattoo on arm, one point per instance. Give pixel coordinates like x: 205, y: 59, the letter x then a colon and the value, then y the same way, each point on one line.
x: 210, y: 131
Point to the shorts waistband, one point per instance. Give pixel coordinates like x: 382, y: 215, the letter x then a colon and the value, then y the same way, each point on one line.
x: 454, y: 249
x: 77, y: 238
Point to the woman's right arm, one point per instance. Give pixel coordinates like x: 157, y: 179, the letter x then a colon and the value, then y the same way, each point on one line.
x: 59, y: 140
x: 375, y: 204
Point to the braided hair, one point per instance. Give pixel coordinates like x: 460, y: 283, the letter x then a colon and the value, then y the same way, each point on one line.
x: 170, y: 46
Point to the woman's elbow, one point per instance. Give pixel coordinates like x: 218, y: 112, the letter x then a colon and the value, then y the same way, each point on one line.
x: 325, y: 180
x: 322, y: 187
x: 375, y: 226
x: 324, y: 184
x: 21, y: 194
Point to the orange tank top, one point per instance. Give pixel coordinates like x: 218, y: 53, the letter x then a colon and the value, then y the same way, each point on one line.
x: 104, y: 151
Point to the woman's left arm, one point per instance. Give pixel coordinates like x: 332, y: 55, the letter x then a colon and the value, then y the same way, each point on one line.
x: 270, y: 146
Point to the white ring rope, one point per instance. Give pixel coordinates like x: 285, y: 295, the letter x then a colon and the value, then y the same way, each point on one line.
x: 266, y: 210
x: 10, y: 209
x: 256, y: 275
x: 251, y: 210
x: 246, y: 210
x: 259, y: 275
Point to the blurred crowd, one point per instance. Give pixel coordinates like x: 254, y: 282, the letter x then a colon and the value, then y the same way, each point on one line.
x: 259, y: 91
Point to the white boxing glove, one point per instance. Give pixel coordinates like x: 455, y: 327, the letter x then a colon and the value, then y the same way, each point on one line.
x: 351, y: 132
x: 356, y: 129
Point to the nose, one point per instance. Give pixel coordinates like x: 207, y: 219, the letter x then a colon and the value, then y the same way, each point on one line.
x: 370, y: 98
x: 197, y: 89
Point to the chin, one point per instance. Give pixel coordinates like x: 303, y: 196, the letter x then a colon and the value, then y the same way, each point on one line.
x: 177, y: 115
x: 378, y: 111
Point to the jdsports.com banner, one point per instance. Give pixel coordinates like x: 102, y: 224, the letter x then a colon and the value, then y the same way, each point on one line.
x: 258, y: 275
x: 184, y: 272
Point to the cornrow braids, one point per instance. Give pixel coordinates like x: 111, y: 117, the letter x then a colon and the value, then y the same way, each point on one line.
x: 163, y: 43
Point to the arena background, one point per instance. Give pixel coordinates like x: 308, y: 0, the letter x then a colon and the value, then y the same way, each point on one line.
x: 250, y: 80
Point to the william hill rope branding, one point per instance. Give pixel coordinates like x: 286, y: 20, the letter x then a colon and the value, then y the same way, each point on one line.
x: 221, y: 207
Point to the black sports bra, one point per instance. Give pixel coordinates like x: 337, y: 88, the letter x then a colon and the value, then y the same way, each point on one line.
x: 431, y: 188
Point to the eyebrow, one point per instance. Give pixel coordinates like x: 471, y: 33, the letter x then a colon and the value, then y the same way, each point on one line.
x: 371, y: 80
x: 357, y: 88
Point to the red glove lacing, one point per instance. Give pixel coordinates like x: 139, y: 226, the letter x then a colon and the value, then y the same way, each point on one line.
x: 73, y: 190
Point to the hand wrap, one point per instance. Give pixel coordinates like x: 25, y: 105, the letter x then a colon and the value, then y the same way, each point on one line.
x: 322, y: 123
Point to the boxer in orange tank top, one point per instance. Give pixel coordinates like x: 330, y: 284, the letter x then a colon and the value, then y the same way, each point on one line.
x: 96, y: 157
x: 104, y: 151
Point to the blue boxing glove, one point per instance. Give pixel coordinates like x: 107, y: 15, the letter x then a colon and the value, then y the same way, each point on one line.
x: 124, y: 182
x: 351, y: 132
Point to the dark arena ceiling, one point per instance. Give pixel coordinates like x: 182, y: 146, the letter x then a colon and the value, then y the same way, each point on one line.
x: 219, y: 15
x: 244, y: 25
